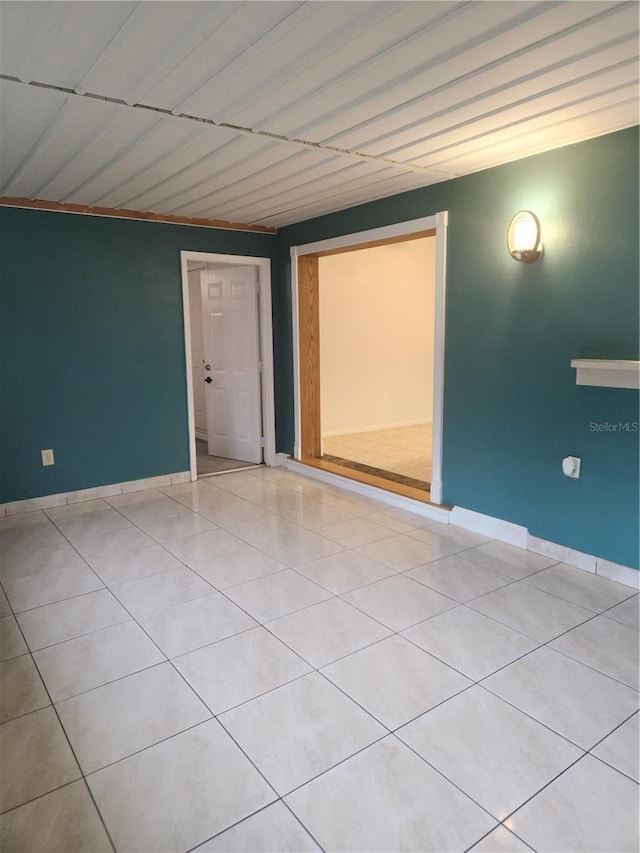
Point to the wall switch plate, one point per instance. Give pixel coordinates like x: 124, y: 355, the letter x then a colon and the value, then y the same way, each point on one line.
x: 47, y: 457
x: 571, y: 467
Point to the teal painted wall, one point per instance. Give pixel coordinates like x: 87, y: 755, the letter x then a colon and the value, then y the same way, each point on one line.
x: 92, y: 347
x: 92, y: 352
x: 512, y: 409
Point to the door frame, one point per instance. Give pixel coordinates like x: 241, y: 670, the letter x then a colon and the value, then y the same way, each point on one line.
x: 410, y: 229
x: 265, y: 329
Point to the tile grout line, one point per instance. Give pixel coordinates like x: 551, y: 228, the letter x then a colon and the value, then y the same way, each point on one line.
x: 486, y: 835
x: 175, y: 734
x: 248, y: 817
x: 339, y: 596
x: 189, y: 687
x: 526, y: 713
x: 546, y: 644
x: 602, y: 740
x: 393, y: 732
x: 84, y: 776
x: 315, y: 669
x: 333, y: 595
x: 70, y: 745
x: 389, y: 732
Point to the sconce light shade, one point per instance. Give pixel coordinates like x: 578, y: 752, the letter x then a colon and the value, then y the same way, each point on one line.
x: 523, y: 237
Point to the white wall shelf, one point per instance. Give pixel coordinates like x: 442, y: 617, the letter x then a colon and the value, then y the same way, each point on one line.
x: 607, y: 373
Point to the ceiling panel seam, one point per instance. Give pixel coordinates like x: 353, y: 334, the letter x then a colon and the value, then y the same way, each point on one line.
x: 242, y: 193
x: 165, y: 157
x: 296, y: 16
x: 373, y: 17
x: 407, y: 74
x: 483, y: 135
x: 114, y: 38
x: 302, y: 188
x: 246, y: 131
x: 526, y: 134
x: 365, y: 62
x: 169, y: 200
x: 495, y: 113
x: 32, y: 153
x: 508, y: 84
x: 215, y: 15
x: 173, y: 175
x: 112, y: 161
x: 328, y: 200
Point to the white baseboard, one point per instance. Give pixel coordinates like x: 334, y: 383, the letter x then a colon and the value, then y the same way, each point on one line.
x: 65, y: 498
x: 397, y: 501
x: 333, y: 433
x: 562, y: 554
x: 489, y: 526
x: 597, y: 565
x: 519, y: 536
x: 618, y: 573
x: 202, y: 434
x: 494, y: 528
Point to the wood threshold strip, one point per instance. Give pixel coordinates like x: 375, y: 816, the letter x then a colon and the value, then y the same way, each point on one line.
x: 370, y: 480
x: 123, y: 213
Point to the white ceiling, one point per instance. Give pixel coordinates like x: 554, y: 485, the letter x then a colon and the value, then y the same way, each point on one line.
x: 273, y: 112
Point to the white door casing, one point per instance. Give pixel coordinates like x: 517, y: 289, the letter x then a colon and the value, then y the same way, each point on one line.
x: 263, y: 265
x: 232, y: 362
x: 197, y: 355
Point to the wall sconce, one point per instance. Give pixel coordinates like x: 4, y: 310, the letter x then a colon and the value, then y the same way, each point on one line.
x: 523, y: 237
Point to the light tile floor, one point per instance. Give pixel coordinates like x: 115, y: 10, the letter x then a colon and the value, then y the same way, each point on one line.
x: 402, y: 450
x: 265, y: 663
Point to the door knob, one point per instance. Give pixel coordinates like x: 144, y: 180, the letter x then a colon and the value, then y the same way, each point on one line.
x: 208, y: 379
x: 207, y: 367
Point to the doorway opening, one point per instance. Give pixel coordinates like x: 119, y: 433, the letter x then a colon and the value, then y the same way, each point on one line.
x: 229, y: 362
x: 376, y: 319
x: 369, y: 356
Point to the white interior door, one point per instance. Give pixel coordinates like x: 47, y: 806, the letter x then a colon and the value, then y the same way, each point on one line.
x: 231, y: 370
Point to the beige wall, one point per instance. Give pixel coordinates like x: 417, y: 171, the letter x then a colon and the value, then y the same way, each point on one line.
x: 376, y: 337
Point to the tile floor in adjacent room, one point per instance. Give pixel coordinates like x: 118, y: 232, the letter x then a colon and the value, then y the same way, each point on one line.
x: 401, y: 450
x: 260, y: 662
x: 206, y: 464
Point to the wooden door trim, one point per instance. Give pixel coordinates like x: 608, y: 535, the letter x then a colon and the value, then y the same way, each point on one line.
x: 306, y: 326
x: 309, y: 355
x: 373, y: 244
